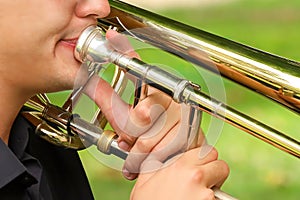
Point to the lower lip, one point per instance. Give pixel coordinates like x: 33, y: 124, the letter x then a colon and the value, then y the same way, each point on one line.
x: 71, y: 45
x: 67, y: 48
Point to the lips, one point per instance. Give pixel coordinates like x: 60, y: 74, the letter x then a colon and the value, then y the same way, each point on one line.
x: 70, y: 42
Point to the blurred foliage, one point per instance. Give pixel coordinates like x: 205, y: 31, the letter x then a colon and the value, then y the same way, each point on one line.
x: 258, y: 170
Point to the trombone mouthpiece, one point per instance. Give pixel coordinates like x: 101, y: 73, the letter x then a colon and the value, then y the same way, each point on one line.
x: 92, y: 46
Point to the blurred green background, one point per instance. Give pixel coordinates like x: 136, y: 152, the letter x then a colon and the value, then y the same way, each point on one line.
x: 258, y: 170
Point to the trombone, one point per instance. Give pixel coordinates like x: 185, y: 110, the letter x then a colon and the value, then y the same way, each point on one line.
x: 275, y: 77
x: 272, y: 76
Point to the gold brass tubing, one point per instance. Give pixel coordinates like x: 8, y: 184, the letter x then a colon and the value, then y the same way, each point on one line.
x: 187, y: 92
x: 103, y: 143
x: 181, y: 90
x: 244, y: 122
x: 272, y: 76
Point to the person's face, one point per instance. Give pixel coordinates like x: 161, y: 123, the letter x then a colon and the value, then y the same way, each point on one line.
x: 38, y: 39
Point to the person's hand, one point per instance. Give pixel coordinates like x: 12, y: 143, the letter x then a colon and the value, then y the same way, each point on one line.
x: 188, y: 176
x: 156, y: 128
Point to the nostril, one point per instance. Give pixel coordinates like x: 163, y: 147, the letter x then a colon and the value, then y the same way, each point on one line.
x: 92, y: 8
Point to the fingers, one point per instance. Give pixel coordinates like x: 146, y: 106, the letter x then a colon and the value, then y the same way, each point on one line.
x: 179, y: 139
x: 147, y: 166
x: 215, y: 173
x: 157, y: 133
x: 148, y: 141
x: 120, y: 43
x: 147, y: 112
x: 187, y: 175
x: 210, y: 171
x: 114, y: 108
x: 128, y: 122
x: 170, y: 135
x: 173, y: 142
x: 200, y: 156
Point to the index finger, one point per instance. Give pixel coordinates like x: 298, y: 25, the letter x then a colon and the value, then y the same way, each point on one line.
x: 128, y: 122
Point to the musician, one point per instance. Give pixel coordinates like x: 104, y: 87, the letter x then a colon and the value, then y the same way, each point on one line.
x: 36, y: 56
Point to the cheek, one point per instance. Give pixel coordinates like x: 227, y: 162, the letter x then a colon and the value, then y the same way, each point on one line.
x: 25, y: 49
x: 24, y: 42
x: 30, y: 45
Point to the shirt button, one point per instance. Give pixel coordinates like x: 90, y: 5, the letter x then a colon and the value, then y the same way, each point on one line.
x: 28, y: 180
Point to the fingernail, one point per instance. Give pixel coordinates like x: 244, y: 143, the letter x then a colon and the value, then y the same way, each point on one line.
x: 128, y: 175
x: 124, y: 145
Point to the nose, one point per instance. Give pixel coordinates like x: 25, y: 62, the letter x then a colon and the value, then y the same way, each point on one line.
x: 93, y: 8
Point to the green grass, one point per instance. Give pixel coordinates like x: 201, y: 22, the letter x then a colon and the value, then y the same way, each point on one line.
x: 258, y: 170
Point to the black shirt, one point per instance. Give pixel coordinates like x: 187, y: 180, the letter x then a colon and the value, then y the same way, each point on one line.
x: 31, y: 168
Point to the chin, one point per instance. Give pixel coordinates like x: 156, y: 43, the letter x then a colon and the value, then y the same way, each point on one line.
x: 66, y: 67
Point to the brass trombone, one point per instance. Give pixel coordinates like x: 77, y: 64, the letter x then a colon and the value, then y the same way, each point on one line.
x: 274, y: 77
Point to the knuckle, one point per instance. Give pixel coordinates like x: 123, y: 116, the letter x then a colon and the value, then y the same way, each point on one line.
x: 142, y: 113
x: 142, y: 145
x: 198, y: 175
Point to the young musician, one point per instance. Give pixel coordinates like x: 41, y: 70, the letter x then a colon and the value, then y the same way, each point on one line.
x: 36, y: 56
